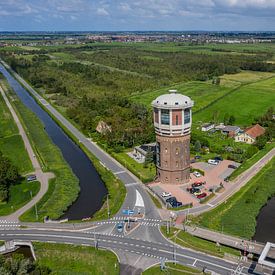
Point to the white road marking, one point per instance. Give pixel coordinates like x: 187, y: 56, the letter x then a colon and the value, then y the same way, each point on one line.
x: 139, y: 200
x: 194, y: 262
x: 119, y: 172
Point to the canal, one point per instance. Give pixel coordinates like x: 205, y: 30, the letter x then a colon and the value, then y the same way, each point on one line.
x: 265, y: 230
x: 92, y: 189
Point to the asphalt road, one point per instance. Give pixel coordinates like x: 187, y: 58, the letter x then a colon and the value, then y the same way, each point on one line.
x: 156, y: 250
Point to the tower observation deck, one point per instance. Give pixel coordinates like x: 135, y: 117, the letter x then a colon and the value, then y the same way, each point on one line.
x: 172, y: 122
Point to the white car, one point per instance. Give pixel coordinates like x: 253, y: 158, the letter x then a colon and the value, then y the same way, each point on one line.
x: 213, y: 162
x: 165, y: 194
x: 197, y: 174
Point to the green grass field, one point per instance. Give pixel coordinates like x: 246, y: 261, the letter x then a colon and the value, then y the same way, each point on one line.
x: 19, y: 195
x: 71, y: 259
x: 237, y: 216
x: 11, y: 143
x: 245, y: 103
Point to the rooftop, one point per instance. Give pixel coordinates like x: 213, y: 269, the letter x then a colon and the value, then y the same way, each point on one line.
x: 255, y: 131
x: 173, y: 99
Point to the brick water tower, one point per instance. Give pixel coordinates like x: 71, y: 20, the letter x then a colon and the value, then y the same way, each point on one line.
x: 172, y: 121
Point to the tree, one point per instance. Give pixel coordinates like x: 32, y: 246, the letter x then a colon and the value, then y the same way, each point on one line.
x: 231, y: 120
x: 261, y: 141
x: 197, y: 146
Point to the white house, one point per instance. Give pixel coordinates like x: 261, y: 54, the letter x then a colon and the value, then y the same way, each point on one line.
x: 207, y: 126
x: 250, y: 134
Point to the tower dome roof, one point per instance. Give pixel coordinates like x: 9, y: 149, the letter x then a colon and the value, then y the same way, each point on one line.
x: 174, y: 100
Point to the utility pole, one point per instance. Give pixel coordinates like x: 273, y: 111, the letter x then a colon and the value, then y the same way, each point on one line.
x: 108, y: 207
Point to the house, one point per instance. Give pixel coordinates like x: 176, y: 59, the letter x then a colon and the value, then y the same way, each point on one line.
x: 220, y: 126
x: 140, y: 152
x: 250, y: 134
x: 231, y: 131
x: 207, y: 126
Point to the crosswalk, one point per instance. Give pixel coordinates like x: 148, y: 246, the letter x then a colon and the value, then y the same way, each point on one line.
x: 146, y: 223
x: 117, y: 218
x: 8, y: 224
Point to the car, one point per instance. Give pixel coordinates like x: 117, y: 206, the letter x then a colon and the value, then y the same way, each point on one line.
x: 201, y: 196
x: 198, y: 183
x: 232, y: 166
x: 213, y: 162
x: 218, y: 158
x: 31, y: 177
x: 197, y: 174
x: 197, y: 157
x: 165, y: 194
x: 176, y: 204
x: 192, y: 190
x: 197, y: 193
x: 119, y: 227
x: 171, y: 199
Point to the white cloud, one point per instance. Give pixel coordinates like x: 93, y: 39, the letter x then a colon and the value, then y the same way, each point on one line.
x: 102, y: 11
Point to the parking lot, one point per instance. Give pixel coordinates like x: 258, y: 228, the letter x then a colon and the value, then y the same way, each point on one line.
x: 213, y: 177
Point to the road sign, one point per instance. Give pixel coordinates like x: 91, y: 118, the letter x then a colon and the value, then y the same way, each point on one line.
x: 127, y: 212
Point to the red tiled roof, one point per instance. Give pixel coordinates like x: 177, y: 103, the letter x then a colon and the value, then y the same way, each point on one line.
x: 255, y: 131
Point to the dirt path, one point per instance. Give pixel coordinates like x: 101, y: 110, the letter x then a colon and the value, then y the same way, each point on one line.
x: 42, y: 177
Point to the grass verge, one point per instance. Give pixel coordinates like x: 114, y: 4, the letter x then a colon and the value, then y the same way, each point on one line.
x: 19, y: 195
x: 155, y: 200
x: 237, y: 216
x: 171, y: 268
x: 76, y: 259
x: 187, y: 240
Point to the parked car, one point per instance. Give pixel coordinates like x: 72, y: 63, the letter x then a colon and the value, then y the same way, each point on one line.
x: 165, y: 194
x: 197, y: 193
x: 31, y: 177
x: 198, y: 183
x: 197, y: 174
x: 213, y: 162
x: 232, y: 166
x: 119, y: 227
x: 171, y: 199
x: 176, y: 204
x: 192, y: 190
x: 218, y: 158
x: 201, y: 196
x: 197, y: 157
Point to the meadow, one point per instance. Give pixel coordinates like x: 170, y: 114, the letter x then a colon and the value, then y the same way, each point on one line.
x: 72, y: 259
x: 228, y: 217
x: 11, y: 143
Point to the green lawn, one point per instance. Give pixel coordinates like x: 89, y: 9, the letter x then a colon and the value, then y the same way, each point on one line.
x: 245, y: 103
x: 71, y: 259
x: 173, y: 269
x: 237, y: 216
x: 145, y: 174
x: 11, y: 143
x: 187, y: 240
x: 19, y: 195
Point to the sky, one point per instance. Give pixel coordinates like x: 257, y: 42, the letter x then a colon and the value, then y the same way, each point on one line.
x: 139, y: 15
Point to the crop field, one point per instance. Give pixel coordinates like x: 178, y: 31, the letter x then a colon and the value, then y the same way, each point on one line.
x: 11, y: 143
x: 237, y: 216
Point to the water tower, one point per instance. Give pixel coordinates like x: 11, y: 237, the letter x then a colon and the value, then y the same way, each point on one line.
x: 172, y: 121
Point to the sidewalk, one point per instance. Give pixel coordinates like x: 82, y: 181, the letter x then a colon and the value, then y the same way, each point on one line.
x: 42, y: 177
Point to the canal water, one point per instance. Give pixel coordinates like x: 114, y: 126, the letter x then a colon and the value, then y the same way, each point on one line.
x: 93, y: 190
x: 265, y: 230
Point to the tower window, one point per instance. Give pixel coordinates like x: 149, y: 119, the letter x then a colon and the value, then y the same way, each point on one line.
x: 165, y: 117
x: 187, y: 116
x: 177, y: 120
x: 177, y: 164
x: 166, y: 150
x: 166, y: 163
x: 177, y: 151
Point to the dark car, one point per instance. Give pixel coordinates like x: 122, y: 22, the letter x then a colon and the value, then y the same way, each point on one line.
x: 197, y: 157
x: 218, y: 158
x: 232, y: 166
x: 171, y: 199
x: 31, y: 177
x: 192, y: 190
x: 176, y: 204
x: 201, y: 196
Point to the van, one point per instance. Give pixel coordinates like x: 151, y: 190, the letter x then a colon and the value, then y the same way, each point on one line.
x: 213, y: 162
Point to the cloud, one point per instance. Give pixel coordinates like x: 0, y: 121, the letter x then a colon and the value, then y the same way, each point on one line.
x: 102, y: 11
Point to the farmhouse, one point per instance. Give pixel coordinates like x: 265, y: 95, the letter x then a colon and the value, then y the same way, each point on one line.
x: 140, y: 152
x: 207, y: 126
x: 231, y: 131
x: 250, y: 134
